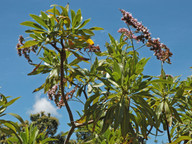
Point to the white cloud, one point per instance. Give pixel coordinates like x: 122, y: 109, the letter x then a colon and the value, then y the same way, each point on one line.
x: 43, y: 104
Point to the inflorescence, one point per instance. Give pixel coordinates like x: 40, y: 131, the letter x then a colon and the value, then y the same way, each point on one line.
x: 25, y: 51
x: 142, y: 34
x: 55, y: 94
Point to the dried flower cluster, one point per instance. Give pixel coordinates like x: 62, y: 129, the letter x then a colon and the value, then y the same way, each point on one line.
x: 142, y: 34
x: 92, y: 48
x: 25, y: 51
x: 55, y: 94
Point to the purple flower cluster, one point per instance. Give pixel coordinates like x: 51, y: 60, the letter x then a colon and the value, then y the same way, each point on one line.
x: 161, y: 51
x: 25, y: 51
x: 52, y: 92
x: 55, y: 94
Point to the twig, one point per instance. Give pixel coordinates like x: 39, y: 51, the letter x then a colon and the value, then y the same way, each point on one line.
x: 131, y: 38
x: 149, y: 131
x: 89, y: 122
x: 86, y: 97
x: 140, y: 47
x: 54, y: 45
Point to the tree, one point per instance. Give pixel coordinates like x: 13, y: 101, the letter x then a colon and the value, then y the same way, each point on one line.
x: 121, y: 101
x: 45, y: 122
x: 56, y: 28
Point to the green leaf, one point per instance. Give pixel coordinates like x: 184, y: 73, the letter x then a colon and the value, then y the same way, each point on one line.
x: 118, y: 115
x: 39, y: 20
x: 75, y: 62
x: 125, y: 125
x: 89, y: 101
x: 176, y: 114
x: 2, y: 114
x: 43, y: 15
x: 10, y: 126
x: 48, y: 140
x: 140, y: 65
x: 79, y: 57
x: 161, y: 81
x: 114, y: 83
x: 112, y: 39
x: 34, y: 133
x: 54, y: 10
x: 36, y: 31
x: 94, y: 66
x: 168, y: 113
x: 108, y: 119
x: 159, y: 110
x: 64, y: 10
x: 88, y: 31
x: 89, y: 89
x: 11, y: 102
x: 77, y: 19
x: 39, y: 88
x: 32, y: 24
x: 116, y: 76
x: 29, y: 44
x: 34, y: 36
x: 79, y: 91
x: 2, y: 109
x: 84, y: 23
x: 117, y: 68
x: 179, y: 92
x: 5, y: 130
x: 181, y: 138
x: 96, y: 28
x: 18, y: 117
x: 72, y: 15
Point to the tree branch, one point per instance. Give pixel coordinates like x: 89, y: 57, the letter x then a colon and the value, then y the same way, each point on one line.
x: 69, y: 134
x: 62, y: 44
x: 89, y: 122
x: 54, y: 45
x: 168, y: 134
x: 63, y: 57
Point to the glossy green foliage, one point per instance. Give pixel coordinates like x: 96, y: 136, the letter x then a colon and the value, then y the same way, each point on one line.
x: 4, y: 132
x: 167, y: 91
x: 22, y: 135
x: 30, y: 135
x: 4, y: 103
x: 182, y: 130
x: 64, y: 31
x: 123, y: 104
x: 53, y: 25
x: 109, y: 136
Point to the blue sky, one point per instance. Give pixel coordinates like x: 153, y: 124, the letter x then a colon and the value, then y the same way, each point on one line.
x: 171, y: 21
